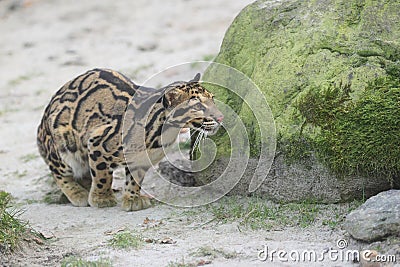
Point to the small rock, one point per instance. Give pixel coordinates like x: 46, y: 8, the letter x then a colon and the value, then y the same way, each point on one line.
x: 203, y: 262
x: 74, y: 62
x: 146, y: 47
x: 377, y: 218
x: 113, y: 232
x: 28, y: 45
x: 167, y: 240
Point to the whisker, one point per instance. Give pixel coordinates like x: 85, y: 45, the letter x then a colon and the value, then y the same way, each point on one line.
x: 191, y: 135
x: 200, y: 137
x: 193, y: 148
x: 194, y: 131
x: 196, y: 142
x: 203, y: 132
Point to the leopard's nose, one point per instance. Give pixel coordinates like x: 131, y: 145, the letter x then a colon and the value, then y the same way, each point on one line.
x: 219, y: 119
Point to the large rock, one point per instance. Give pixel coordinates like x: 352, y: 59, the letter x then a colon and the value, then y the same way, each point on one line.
x: 330, y: 71
x: 377, y: 218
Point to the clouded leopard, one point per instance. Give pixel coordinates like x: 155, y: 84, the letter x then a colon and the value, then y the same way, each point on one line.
x: 94, y: 118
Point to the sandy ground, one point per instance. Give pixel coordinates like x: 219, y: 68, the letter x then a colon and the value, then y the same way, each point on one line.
x: 43, y: 44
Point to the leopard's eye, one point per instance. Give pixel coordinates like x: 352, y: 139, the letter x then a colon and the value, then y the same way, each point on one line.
x: 199, y: 106
x: 193, y: 101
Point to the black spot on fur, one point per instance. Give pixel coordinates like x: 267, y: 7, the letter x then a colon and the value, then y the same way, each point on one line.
x: 92, y: 172
x: 54, y: 170
x: 103, y: 180
x: 100, y: 186
x: 155, y: 144
x: 95, y: 155
x: 108, y: 158
x: 53, y: 156
x: 101, y: 166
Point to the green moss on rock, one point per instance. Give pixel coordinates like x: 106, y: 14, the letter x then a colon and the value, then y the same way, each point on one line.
x: 363, y: 136
x: 336, y: 58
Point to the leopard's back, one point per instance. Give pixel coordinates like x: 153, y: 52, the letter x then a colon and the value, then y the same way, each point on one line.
x: 95, y: 98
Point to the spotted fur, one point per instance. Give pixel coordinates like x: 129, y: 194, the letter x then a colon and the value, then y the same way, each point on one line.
x: 91, y: 121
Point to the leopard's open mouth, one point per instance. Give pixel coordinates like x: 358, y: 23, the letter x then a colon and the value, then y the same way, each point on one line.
x: 210, y: 126
x: 206, y: 126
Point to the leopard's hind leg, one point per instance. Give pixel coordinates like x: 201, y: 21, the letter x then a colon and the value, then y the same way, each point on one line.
x: 85, y: 182
x: 63, y: 176
x: 61, y: 170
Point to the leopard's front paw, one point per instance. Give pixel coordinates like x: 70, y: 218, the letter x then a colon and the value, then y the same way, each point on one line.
x: 135, y: 202
x: 102, y: 200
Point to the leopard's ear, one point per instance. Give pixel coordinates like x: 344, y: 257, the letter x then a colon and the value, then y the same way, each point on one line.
x: 171, y: 98
x: 196, y: 78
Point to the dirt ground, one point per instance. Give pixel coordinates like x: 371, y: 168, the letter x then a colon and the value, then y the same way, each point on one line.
x: 45, y: 43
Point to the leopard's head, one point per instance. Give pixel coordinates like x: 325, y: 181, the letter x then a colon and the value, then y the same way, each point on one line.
x: 192, y: 106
